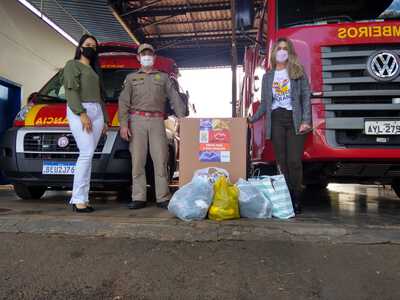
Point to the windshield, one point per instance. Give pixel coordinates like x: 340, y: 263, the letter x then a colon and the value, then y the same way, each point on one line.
x: 112, y: 83
x: 303, y: 12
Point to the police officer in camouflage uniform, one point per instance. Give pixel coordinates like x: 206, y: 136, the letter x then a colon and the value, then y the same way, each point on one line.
x: 141, y: 106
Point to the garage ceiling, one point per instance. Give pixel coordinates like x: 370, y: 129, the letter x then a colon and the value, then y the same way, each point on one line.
x: 195, y: 33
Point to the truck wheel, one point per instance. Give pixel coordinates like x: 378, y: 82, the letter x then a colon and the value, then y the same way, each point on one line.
x: 317, y: 186
x: 29, y: 192
x: 171, y: 163
x: 396, y: 187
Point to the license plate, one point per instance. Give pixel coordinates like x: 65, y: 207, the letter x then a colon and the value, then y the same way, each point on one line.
x: 382, y: 127
x: 58, y: 168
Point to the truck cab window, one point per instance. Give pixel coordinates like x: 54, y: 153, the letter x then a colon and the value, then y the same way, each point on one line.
x: 113, y: 80
x: 54, y: 89
x: 310, y: 12
x: 58, y: 92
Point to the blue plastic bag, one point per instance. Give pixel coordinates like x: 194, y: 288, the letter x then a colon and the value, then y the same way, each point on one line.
x: 253, y: 204
x: 192, y: 201
x: 276, y: 190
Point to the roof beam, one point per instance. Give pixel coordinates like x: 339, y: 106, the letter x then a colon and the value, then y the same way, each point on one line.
x: 192, y: 47
x: 181, y: 9
x: 154, y: 22
x: 196, y: 32
x: 126, y: 27
x: 191, y: 38
x: 199, y: 33
x: 189, y: 42
x: 162, y: 22
x: 147, y: 5
x: 198, y: 21
x: 196, y: 57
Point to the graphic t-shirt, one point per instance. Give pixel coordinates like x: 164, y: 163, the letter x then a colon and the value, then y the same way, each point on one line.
x: 281, y: 90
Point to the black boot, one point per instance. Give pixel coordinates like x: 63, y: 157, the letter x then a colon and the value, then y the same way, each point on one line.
x: 295, y: 202
x: 137, y: 204
x: 163, y: 205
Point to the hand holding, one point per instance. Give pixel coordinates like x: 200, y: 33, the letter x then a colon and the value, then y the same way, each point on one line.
x: 86, y: 122
x: 105, y: 129
x: 125, y: 133
x: 304, y: 128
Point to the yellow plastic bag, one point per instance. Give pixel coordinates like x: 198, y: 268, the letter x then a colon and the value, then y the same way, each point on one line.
x: 225, y: 204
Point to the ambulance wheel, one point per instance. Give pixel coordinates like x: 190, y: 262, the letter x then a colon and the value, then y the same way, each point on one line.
x: 29, y: 192
x: 396, y: 186
x: 171, y: 166
x: 124, y: 194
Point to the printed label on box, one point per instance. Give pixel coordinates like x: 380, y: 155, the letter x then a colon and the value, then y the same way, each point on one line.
x: 214, y: 141
x: 204, y: 136
x: 225, y: 156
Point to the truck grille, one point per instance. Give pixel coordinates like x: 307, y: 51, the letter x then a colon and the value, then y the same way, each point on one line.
x: 45, y: 145
x: 352, y: 95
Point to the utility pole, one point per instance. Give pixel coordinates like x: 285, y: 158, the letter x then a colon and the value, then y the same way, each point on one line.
x: 234, y: 59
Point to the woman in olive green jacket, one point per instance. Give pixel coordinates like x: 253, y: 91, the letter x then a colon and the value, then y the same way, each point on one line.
x: 86, y: 115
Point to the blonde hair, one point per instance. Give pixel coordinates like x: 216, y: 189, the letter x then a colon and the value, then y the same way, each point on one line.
x: 295, y: 68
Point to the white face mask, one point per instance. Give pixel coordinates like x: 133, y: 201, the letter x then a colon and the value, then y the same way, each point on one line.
x: 282, y: 56
x: 147, y: 60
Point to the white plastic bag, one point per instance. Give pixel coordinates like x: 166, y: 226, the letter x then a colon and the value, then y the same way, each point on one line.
x: 276, y: 190
x: 212, y: 173
x: 192, y: 201
x: 252, y: 203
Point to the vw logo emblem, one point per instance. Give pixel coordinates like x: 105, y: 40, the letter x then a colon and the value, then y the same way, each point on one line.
x: 384, y: 65
x: 63, y: 142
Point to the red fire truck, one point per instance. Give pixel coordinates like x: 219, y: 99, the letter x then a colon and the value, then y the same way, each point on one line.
x: 350, y: 51
x: 39, y: 151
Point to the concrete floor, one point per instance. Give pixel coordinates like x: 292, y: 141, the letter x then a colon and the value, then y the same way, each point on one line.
x: 360, y: 205
x: 36, y: 266
x: 344, y: 246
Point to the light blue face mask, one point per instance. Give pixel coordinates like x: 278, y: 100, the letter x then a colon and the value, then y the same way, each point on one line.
x: 147, y: 60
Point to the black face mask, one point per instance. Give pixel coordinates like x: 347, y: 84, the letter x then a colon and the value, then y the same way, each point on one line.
x: 89, y: 52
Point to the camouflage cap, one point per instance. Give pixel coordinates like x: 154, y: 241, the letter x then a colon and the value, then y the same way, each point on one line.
x: 145, y: 46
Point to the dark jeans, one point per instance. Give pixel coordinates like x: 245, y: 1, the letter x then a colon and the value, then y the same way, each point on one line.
x: 288, y: 148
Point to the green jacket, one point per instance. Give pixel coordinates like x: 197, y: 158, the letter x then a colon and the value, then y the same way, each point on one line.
x: 82, y: 84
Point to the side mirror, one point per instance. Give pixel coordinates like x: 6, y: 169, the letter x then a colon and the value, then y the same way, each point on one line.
x: 263, y: 52
x: 244, y: 14
x: 32, y: 97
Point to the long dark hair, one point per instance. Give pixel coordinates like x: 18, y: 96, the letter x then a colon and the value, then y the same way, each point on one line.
x: 94, y: 63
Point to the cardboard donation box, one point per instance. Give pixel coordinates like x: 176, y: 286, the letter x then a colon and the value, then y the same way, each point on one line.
x: 213, y: 142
